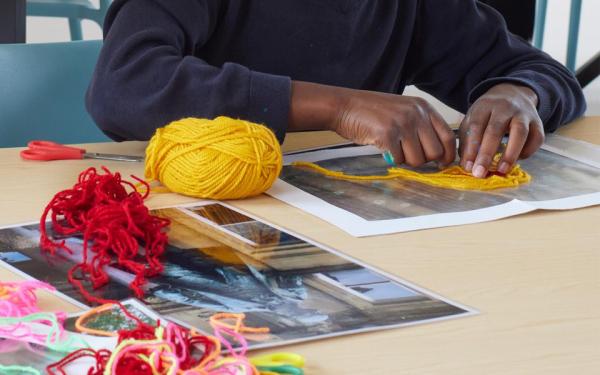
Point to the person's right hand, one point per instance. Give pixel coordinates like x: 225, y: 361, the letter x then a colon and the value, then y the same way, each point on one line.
x: 408, y: 127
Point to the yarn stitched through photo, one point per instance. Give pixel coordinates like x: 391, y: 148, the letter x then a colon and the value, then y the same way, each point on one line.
x: 453, y: 177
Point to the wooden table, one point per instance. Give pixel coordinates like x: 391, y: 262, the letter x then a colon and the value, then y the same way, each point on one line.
x: 535, y: 278
x: 12, y: 21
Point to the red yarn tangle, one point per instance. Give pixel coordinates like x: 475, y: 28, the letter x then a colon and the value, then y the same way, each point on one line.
x: 191, y: 350
x: 141, y: 332
x: 114, y: 224
x: 100, y: 358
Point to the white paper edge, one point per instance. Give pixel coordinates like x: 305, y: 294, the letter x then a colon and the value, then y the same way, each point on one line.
x: 468, y: 310
x: 345, y: 256
x: 360, y: 227
x: 580, y: 151
x: 56, y: 292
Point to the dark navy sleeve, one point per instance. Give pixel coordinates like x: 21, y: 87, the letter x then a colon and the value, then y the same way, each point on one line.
x: 461, y: 48
x: 147, y: 74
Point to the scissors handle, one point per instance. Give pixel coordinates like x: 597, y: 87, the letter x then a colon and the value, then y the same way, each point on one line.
x: 49, y: 145
x: 46, y: 150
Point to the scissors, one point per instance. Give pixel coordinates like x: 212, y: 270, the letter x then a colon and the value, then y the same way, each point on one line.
x: 279, y: 363
x: 47, y: 150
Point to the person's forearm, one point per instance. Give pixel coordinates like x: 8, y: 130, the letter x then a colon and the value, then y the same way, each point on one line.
x: 313, y: 106
x: 145, y: 77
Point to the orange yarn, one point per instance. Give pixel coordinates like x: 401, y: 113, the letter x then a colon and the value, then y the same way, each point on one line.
x: 239, y: 327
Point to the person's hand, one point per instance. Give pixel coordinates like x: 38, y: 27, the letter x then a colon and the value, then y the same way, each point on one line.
x: 408, y: 127
x: 505, y: 108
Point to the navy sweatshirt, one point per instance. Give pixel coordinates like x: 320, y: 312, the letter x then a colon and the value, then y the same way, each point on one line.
x: 163, y: 60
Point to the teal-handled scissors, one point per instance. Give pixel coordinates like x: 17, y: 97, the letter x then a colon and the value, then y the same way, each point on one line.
x: 389, y: 158
x: 47, y: 150
x: 279, y: 363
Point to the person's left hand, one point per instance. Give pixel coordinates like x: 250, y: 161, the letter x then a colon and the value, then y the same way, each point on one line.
x: 504, y: 108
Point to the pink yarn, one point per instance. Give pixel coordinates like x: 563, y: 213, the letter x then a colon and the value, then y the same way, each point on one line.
x: 19, y: 309
x: 18, y: 298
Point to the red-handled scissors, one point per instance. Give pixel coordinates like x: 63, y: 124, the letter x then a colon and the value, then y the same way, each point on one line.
x: 46, y: 150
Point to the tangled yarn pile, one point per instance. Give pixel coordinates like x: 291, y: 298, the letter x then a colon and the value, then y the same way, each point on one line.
x: 165, y: 350
x: 19, y: 311
x: 109, y: 213
x: 144, y: 350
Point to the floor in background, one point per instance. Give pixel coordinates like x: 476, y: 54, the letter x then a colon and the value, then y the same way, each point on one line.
x: 54, y: 30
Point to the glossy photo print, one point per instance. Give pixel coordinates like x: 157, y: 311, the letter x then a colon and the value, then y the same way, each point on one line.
x: 221, y: 260
x: 19, y: 353
x: 365, y: 208
x: 113, y: 318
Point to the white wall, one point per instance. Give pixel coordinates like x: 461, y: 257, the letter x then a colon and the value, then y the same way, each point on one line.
x: 555, y: 42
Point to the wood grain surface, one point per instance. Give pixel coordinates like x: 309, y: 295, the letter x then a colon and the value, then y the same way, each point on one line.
x: 535, y: 277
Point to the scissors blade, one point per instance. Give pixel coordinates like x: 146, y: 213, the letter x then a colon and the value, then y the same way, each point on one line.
x: 115, y: 157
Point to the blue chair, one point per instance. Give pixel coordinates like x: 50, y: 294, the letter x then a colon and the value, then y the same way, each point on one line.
x: 42, y: 89
x: 541, y: 8
x: 74, y: 10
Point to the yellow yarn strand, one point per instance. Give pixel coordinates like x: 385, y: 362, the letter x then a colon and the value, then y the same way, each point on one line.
x: 453, y: 177
x: 222, y: 158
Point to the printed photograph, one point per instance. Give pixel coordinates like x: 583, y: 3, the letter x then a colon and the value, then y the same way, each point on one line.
x: 220, y: 260
x: 114, y: 319
x: 18, y: 353
x: 553, y: 177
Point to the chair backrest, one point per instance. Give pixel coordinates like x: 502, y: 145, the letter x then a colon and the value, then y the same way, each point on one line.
x: 42, y: 90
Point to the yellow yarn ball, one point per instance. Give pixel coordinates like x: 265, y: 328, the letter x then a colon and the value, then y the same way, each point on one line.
x: 222, y: 158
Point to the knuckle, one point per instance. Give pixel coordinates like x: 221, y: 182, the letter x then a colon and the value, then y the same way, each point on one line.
x: 414, y: 162
x: 505, y: 102
x: 407, y: 124
x: 447, y: 137
x: 540, y: 135
x: 384, y: 132
x: 378, y: 133
x: 484, y: 159
x: 536, y: 138
x: 497, y: 128
x: 531, y: 148
x: 418, y: 108
x: 484, y: 100
x: 450, y: 158
x: 436, y: 154
x: 527, y: 153
x: 470, y: 147
x: 398, y: 157
x: 502, y: 102
x: 473, y: 128
x: 419, y: 102
x: 509, y: 158
x: 520, y: 126
x: 389, y: 135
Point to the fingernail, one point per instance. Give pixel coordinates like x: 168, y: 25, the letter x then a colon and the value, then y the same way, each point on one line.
x: 469, y: 166
x: 503, y: 167
x: 479, y: 171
